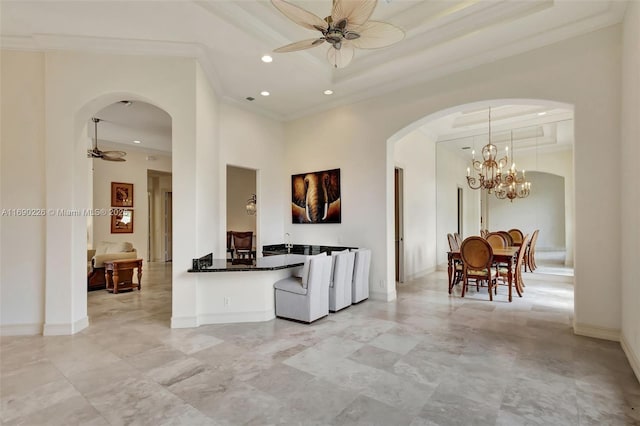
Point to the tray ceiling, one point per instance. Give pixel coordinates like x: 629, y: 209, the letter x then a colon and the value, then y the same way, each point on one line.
x: 229, y: 38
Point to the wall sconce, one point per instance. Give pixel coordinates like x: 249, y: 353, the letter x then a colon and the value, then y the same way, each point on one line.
x: 251, y: 205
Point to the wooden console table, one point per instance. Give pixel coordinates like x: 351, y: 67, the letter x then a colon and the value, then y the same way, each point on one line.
x: 119, y: 274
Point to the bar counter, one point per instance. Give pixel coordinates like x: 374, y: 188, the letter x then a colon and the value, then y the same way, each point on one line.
x: 269, y: 263
x: 306, y: 249
x: 236, y: 292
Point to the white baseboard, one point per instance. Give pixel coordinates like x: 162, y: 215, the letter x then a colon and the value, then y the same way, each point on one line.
x: 386, y: 296
x: 596, y: 332
x: 65, y: 329
x: 21, y: 329
x: 631, y: 356
x: 235, y: 317
x: 184, y: 322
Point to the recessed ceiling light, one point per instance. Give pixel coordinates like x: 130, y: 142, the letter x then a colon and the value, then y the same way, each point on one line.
x: 267, y: 59
x: 136, y: 141
x: 542, y: 113
x: 328, y: 92
x: 265, y: 93
x: 250, y: 98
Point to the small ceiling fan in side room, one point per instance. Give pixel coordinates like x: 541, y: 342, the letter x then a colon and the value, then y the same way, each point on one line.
x: 348, y: 27
x: 95, y: 152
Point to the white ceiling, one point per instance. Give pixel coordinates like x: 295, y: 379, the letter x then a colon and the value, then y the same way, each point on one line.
x: 229, y: 37
x: 521, y: 127
x: 122, y: 123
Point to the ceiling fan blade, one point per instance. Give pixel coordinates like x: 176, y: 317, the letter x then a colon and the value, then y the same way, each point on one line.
x: 356, y: 12
x: 300, y: 45
x: 113, y: 154
x: 374, y: 35
x: 340, y: 58
x: 300, y: 16
x: 113, y: 159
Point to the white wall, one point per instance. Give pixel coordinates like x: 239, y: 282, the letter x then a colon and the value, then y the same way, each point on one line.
x: 416, y: 155
x: 559, y: 163
x: 76, y: 86
x: 134, y: 171
x: 22, y: 186
x: 543, y: 209
x: 451, y: 176
x: 255, y: 142
x: 355, y: 137
x: 241, y: 184
x: 68, y: 88
x: 629, y: 223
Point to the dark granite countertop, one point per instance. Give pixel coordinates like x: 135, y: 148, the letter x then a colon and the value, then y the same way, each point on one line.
x: 306, y: 249
x: 269, y: 263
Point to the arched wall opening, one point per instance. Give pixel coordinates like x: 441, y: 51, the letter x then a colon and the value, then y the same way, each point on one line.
x: 78, y: 85
x: 437, y: 178
x: 143, y: 132
x: 562, y: 73
x: 98, y: 228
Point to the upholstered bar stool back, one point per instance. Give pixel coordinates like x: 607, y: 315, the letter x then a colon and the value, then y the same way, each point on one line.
x: 305, y: 298
x: 360, y: 289
x: 340, y: 286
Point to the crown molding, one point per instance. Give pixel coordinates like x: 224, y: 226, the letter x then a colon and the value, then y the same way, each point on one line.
x: 116, y: 46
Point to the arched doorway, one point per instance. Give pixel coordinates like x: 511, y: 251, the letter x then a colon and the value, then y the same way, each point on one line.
x: 435, y: 152
x: 142, y: 131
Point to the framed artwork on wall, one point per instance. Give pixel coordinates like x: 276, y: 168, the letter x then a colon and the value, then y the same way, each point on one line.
x: 121, y: 194
x: 315, y: 197
x: 121, y: 221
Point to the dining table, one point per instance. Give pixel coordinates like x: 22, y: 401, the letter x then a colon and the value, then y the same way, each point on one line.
x: 505, y: 256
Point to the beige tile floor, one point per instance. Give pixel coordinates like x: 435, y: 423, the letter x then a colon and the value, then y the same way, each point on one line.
x: 426, y: 359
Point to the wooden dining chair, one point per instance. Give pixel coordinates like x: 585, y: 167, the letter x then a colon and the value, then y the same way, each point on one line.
x: 483, y: 233
x: 530, y: 255
x: 457, y: 264
x: 243, y: 244
x: 477, y: 259
x: 516, y: 236
x: 496, y: 240
x: 458, y: 238
x: 229, y: 244
x: 507, y: 238
x: 453, y: 243
x: 502, y: 273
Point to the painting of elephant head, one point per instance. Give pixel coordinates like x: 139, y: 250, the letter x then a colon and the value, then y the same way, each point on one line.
x: 315, y: 197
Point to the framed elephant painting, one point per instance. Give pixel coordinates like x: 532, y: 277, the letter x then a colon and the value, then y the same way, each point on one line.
x: 315, y: 197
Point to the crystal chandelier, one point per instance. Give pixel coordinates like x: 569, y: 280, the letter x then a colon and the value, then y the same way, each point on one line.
x: 490, y: 174
x: 511, y: 185
x: 251, y: 205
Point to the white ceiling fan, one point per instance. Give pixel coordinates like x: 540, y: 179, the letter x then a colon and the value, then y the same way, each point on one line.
x: 347, y: 27
x: 95, y: 152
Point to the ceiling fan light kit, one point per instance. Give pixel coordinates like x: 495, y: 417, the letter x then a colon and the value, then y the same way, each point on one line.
x: 95, y: 152
x: 348, y: 27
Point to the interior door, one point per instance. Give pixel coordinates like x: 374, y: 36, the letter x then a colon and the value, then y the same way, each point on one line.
x: 399, y: 225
